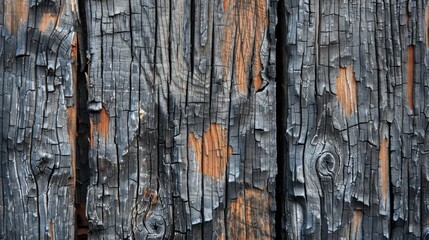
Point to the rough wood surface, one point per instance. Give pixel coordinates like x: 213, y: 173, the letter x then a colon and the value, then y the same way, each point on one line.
x: 357, y: 78
x: 38, y: 60
x: 182, y: 101
x: 199, y: 119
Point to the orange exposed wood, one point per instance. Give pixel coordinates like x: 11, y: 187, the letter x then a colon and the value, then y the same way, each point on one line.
x: 73, y: 53
x: 243, y: 43
x: 227, y: 45
x: 261, y: 18
x: 211, y: 157
x: 225, y: 5
x: 152, y: 195
x: 103, y: 123
x: 384, y: 168
x: 410, y: 76
x: 249, y: 215
x: 357, y: 220
x: 248, y: 21
x: 267, y: 20
x: 71, y: 124
x: 51, y: 229
x: 72, y: 113
x: 15, y: 13
x: 147, y: 192
x: 346, y: 89
x: 48, y: 19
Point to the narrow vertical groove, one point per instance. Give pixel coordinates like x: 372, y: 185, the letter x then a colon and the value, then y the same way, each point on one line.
x: 170, y: 75
x: 82, y: 128
x: 410, y: 76
x: 158, y: 90
x: 188, y: 171
x: 192, y: 62
x: 281, y: 118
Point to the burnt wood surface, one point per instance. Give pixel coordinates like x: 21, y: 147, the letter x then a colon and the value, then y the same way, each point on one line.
x: 357, y: 160
x: 38, y: 50
x: 200, y: 119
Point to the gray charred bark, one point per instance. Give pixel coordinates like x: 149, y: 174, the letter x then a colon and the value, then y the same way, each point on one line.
x: 199, y: 119
x: 38, y: 60
x: 357, y: 119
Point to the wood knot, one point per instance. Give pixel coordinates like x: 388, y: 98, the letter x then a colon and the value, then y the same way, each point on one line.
x: 326, y: 164
x: 155, y: 226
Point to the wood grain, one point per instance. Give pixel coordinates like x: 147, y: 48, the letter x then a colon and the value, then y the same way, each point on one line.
x: 38, y: 62
x: 182, y: 97
x: 357, y: 92
x: 226, y: 119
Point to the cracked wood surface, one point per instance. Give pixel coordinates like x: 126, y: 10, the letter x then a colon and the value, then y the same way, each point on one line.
x: 357, y: 80
x: 182, y: 99
x: 38, y: 54
x: 168, y: 119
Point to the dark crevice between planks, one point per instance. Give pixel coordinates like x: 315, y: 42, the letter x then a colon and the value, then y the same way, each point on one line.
x: 281, y: 106
x: 83, y: 129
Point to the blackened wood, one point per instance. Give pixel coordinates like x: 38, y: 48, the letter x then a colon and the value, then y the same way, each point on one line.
x: 183, y: 132
x: 38, y: 60
x: 357, y: 119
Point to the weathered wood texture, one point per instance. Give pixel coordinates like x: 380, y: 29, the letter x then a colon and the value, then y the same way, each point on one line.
x: 161, y: 119
x: 38, y: 50
x: 182, y: 118
x: 357, y: 75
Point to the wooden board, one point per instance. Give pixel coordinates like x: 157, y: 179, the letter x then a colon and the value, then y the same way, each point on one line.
x: 202, y: 119
x: 38, y: 61
x: 182, y: 101
x: 357, y: 119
